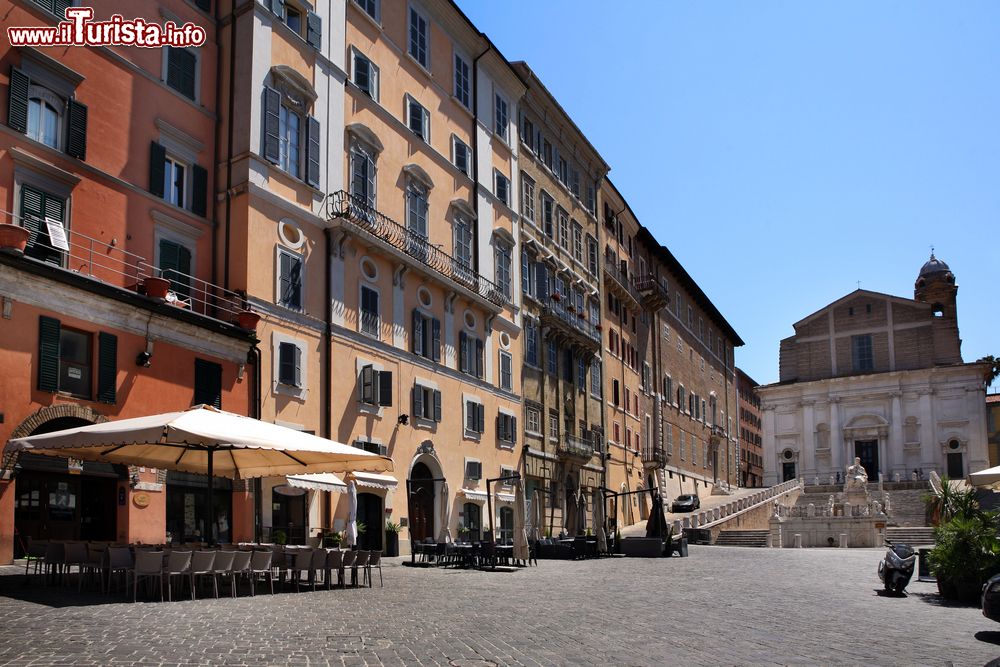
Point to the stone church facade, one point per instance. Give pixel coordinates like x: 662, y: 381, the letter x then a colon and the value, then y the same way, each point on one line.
x: 879, y: 377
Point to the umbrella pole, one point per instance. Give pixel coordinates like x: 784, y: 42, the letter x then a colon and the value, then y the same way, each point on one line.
x: 211, y: 489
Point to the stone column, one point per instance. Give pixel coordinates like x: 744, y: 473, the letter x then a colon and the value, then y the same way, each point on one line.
x: 772, y: 467
x: 894, y: 447
x: 808, y: 459
x: 836, y: 437
x: 930, y: 450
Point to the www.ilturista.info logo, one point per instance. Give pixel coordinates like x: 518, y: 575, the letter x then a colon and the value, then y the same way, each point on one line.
x: 80, y: 30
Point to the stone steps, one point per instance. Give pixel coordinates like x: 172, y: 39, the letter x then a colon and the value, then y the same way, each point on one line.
x: 743, y: 538
x: 907, y: 507
x: 912, y: 536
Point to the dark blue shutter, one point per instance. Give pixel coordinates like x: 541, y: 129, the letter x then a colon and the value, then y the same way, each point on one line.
x: 436, y: 340
x: 480, y: 417
x: 181, y: 65
x: 207, y: 383
x: 314, y: 30
x: 107, y: 368
x: 513, y: 429
x: 272, y: 125
x: 437, y: 406
x: 312, y: 151
x: 48, y: 354
x: 157, y: 168
x: 463, y: 352
x: 418, y: 333
x: 17, y: 109
x: 278, y: 7
x: 199, y: 190
x: 76, y: 130
x: 479, y: 358
x: 385, y: 388
x: 418, y: 401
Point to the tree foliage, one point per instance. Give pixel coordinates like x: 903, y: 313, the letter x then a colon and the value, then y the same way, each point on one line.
x: 994, y: 370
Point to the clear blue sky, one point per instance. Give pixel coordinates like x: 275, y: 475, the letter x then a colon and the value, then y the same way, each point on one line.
x: 784, y: 151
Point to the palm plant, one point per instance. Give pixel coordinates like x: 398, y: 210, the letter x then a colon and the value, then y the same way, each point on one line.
x: 966, y: 554
x: 948, y: 502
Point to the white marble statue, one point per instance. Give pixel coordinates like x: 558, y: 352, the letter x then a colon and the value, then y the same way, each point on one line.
x: 857, y: 476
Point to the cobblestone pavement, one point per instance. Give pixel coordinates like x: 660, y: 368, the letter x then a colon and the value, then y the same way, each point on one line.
x: 721, y: 606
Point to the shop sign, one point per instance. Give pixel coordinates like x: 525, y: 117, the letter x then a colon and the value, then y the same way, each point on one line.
x: 74, y: 466
x: 141, y: 500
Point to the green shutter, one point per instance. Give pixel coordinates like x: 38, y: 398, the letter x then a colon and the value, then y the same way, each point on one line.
x: 76, y: 130
x: 157, y: 168
x: 207, y: 383
x: 48, y: 354
x: 418, y: 401
x: 385, y: 388
x: 107, y: 369
x: 199, y: 190
x: 181, y: 65
x: 17, y: 110
x: 417, y: 344
x: 314, y: 30
x: 272, y: 125
x: 312, y: 151
x: 32, y: 212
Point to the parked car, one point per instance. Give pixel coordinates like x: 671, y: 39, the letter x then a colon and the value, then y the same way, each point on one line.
x: 685, y: 503
x: 991, y: 599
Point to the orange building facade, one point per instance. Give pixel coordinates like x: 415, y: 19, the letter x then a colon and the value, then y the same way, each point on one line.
x: 111, y: 311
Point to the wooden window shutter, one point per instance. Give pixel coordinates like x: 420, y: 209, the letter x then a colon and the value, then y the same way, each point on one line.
x: 418, y: 333
x: 17, y: 110
x: 437, y: 405
x: 463, y: 352
x: 314, y: 30
x: 48, y: 354
x: 107, y: 369
x: 32, y: 212
x: 199, y: 190
x: 272, y: 124
x: 76, y: 130
x: 418, y: 401
x: 479, y: 358
x: 385, y: 388
x: 157, y: 168
x: 59, y: 7
x: 203, y: 5
x: 312, y: 151
x: 480, y: 417
x: 436, y: 340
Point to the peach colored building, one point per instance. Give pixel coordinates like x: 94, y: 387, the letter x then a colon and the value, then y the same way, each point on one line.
x: 104, y: 156
x: 560, y: 281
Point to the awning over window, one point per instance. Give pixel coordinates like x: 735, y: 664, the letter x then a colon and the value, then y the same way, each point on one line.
x: 473, y: 494
x: 375, y: 481
x: 318, y: 482
x: 505, y: 497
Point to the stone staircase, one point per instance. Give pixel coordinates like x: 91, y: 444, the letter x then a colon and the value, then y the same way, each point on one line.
x: 907, y: 507
x: 743, y: 538
x: 911, y: 535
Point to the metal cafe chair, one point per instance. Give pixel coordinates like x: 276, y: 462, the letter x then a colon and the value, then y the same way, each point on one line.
x: 178, y: 564
x: 350, y: 557
x: 360, y: 563
x: 303, y: 562
x: 334, y: 563
x: 223, y: 567
x: 240, y: 568
x: 260, y: 565
x: 117, y: 561
x: 375, y: 561
x: 75, y: 554
x: 149, y: 566
x: 35, y: 554
x: 203, y: 565
x: 55, y: 558
x: 317, y: 566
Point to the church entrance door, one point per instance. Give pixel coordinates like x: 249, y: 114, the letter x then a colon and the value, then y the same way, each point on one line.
x: 867, y: 451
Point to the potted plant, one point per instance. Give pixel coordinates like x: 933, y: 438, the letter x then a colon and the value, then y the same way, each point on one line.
x: 332, y: 540
x: 156, y: 288
x: 391, y: 538
x: 556, y: 296
x: 247, y: 319
x: 279, y: 537
x: 13, y: 238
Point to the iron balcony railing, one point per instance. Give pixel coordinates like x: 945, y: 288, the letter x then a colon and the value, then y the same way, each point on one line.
x: 652, y: 290
x: 359, y: 214
x: 573, y: 321
x: 654, y: 455
x: 577, y: 446
x: 614, y: 272
x: 108, y: 264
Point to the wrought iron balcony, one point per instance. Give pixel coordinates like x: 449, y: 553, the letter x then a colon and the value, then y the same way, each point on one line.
x: 579, y: 330
x: 384, y: 231
x: 620, y: 281
x: 654, y: 457
x: 654, y: 295
x: 577, y: 447
x: 107, y: 264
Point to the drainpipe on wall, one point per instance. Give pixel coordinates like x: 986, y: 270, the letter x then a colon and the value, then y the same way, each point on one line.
x: 326, y: 395
x: 229, y: 145
x: 215, y: 148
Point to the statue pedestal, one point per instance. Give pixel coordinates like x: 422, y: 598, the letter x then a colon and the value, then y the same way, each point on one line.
x: 856, y: 497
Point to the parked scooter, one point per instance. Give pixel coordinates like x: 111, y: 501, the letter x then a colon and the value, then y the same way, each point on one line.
x: 896, y: 568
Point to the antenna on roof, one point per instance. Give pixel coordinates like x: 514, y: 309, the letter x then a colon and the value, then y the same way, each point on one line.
x: 859, y: 284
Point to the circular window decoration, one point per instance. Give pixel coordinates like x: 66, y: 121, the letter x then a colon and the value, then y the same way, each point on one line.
x: 505, y: 340
x: 369, y: 269
x: 788, y: 454
x: 290, y: 234
x: 954, y: 444
x: 424, y: 297
x: 470, y: 319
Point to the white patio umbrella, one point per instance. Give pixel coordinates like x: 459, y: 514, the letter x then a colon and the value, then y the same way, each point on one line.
x: 206, y: 441
x: 520, y: 536
x: 538, y: 507
x: 445, y: 534
x: 602, y: 536
x: 985, y: 477
x: 351, y: 533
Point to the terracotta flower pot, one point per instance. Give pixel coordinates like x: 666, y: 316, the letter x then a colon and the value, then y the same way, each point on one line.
x: 557, y: 297
x: 156, y: 288
x: 13, y: 238
x: 247, y: 319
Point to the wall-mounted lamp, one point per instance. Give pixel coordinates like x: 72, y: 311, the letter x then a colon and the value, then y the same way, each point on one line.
x: 241, y: 371
x: 403, y: 419
x: 145, y: 357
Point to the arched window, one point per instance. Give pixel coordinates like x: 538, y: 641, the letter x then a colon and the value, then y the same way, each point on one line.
x: 44, y: 116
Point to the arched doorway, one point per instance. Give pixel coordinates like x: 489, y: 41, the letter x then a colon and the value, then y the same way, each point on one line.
x: 56, y: 501
x: 506, y: 533
x: 370, y: 513
x: 643, y: 498
x: 421, y: 503
x: 472, y: 521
